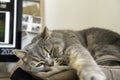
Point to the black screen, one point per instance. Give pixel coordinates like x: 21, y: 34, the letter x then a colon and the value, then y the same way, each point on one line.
x: 10, y: 29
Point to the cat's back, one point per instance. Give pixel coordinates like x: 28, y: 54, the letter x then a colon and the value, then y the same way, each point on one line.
x: 100, y: 36
x: 69, y: 37
x: 94, y: 35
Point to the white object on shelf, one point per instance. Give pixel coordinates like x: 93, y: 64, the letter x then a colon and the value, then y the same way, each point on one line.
x: 31, y: 23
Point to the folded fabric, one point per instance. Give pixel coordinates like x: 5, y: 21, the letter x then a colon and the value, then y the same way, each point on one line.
x: 111, y: 72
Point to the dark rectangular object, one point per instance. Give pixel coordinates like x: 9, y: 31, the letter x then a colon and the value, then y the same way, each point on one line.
x: 19, y: 74
x: 10, y: 29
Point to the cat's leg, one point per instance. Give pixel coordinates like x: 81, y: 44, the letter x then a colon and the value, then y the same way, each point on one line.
x: 84, y: 64
x: 106, y: 55
x: 54, y: 70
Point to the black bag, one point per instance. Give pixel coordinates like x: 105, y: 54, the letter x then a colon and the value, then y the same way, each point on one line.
x: 19, y: 74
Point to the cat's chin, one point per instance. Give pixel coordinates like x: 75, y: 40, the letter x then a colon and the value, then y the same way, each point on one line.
x: 47, y: 69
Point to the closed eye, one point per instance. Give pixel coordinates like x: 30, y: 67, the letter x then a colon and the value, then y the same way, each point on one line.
x: 52, y: 52
x: 49, y: 51
x: 40, y: 64
x: 46, y: 50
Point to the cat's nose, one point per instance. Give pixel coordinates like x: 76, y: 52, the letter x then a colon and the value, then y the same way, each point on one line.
x: 50, y: 63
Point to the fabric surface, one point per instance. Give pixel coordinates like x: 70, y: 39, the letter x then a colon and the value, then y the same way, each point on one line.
x: 112, y: 73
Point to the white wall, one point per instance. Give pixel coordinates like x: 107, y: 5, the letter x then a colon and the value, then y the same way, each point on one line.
x: 109, y: 14
x: 79, y: 14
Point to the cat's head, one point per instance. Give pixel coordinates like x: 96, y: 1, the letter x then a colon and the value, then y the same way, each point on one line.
x: 44, y: 50
x: 33, y: 63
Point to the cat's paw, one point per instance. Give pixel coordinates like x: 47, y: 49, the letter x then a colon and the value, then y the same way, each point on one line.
x: 92, y: 75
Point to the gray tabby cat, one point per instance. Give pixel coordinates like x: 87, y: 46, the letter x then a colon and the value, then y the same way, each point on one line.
x: 78, y: 49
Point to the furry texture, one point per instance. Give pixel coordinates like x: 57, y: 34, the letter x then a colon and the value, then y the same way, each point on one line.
x: 77, y: 49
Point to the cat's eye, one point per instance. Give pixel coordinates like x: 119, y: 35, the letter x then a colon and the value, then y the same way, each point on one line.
x: 51, y: 52
x: 39, y: 64
x: 46, y: 49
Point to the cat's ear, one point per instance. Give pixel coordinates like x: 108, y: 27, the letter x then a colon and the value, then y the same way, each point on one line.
x: 46, y: 33
x: 20, y: 53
